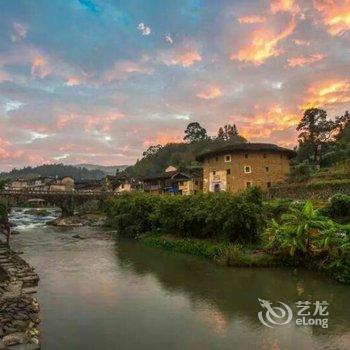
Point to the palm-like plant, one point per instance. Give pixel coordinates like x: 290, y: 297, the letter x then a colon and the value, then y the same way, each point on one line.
x: 298, y: 230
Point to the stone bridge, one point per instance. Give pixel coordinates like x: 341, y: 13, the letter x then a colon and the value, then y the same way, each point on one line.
x: 67, y: 201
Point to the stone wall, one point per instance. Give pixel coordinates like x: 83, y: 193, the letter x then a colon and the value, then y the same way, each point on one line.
x: 19, y: 309
x: 314, y: 191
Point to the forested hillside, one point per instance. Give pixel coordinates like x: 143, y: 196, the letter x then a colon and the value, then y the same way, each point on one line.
x: 52, y: 170
x: 182, y: 155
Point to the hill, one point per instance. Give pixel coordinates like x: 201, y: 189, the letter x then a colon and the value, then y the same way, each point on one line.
x: 53, y: 170
x: 108, y: 170
x: 181, y: 155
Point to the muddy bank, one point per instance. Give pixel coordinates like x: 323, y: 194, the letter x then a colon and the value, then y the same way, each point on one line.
x: 19, y: 309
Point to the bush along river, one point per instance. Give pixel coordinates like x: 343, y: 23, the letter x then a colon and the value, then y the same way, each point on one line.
x: 101, y: 292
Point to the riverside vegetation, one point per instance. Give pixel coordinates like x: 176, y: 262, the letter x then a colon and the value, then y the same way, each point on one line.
x: 240, y: 230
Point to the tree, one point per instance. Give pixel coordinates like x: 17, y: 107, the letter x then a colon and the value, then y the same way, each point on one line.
x: 195, y: 132
x: 315, y: 132
x: 152, y: 150
x: 229, y: 132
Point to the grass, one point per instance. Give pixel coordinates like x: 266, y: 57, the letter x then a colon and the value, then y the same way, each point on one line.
x: 223, y: 253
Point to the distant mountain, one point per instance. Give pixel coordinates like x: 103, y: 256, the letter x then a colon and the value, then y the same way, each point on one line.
x: 54, y: 170
x: 108, y: 170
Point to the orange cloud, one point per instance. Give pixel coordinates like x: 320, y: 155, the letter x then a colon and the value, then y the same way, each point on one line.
x: 64, y: 120
x: 73, y: 81
x: 210, y: 93
x: 327, y: 93
x: 263, y: 124
x: 263, y: 45
x: 123, y: 68
x: 301, y: 42
x: 101, y: 123
x: 185, y: 55
x: 252, y: 19
x: 284, y: 6
x: 40, y: 66
x: 301, y: 61
x: 162, y: 138
x: 335, y: 15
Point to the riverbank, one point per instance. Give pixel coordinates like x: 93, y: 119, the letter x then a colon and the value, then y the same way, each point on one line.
x: 223, y: 253
x: 19, y: 315
x: 240, y: 255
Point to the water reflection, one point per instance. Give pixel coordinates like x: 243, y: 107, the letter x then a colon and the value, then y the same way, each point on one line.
x: 230, y: 294
x: 96, y: 293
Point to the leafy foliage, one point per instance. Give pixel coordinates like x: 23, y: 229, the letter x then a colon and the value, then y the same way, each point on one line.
x: 220, y: 216
x: 338, y: 206
x: 306, y: 235
x: 195, y: 132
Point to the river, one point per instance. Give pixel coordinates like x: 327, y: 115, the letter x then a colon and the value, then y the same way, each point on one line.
x: 102, y: 293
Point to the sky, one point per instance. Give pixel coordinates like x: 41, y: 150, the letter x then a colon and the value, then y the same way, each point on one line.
x: 99, y: 81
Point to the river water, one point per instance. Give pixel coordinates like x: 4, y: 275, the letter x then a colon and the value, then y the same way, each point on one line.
x: 101, y: 293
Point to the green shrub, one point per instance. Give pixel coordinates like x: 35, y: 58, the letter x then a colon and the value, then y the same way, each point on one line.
x: 220, y: 215
x: 131, y: 214
x: 276, y: 207
x: 338, y: 206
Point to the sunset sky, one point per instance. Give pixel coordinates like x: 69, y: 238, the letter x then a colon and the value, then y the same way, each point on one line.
x: 99, y: 81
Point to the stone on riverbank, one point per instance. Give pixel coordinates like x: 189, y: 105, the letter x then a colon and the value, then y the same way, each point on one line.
x: 94, y: 220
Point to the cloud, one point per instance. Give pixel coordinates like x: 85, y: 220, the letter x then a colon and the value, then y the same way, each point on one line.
x: 277, y: 6
x: 19, y: 32
x: 40, y: 66
x: 185, y: 54
x: 122, y: 69
x: 252, y: 19
x: 73, y: 81
x: 301, y: 42
x: 168, y: 39
x: 101, y: 124
x: 64, y: 120
x: 335, y: 15
x: 263, y: 44
x: 300, y: 61
x: 163, y: 137
x: 264, y: 123
x: 143, y: 29
x: 210, y: 93
x: 327, y: 93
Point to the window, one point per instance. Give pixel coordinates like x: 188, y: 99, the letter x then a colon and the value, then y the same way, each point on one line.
x: 214, y: 172
x: 267, y: 169
x: 281, y: 156
x: 196, y: 183
x: 246, y: 155
x: 216, y: 158
x: 228, y: 171
x: 248, y: 184
x: 122, y: 185
x: 247, y: 169
x: 181, y: 183
x: 268, y: 184
x: 265, y: 155
x: 227, y: 158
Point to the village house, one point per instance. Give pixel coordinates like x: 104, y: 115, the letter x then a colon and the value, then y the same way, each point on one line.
x: 17, y: 185
x: 237, y: 166
x: 172, y: 181
x: 64, y: 184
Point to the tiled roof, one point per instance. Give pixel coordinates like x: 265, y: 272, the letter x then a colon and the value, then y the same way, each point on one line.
x: 246, y: 147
